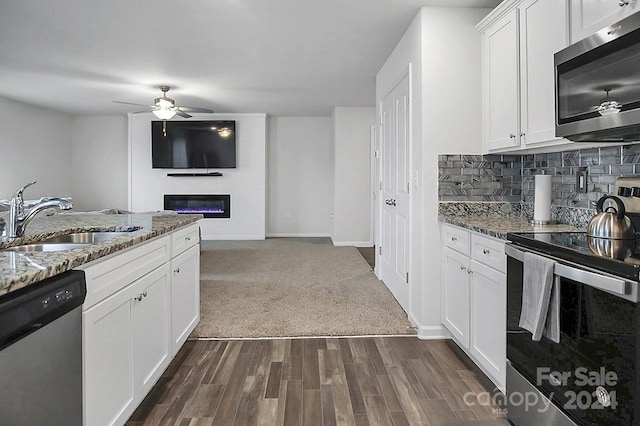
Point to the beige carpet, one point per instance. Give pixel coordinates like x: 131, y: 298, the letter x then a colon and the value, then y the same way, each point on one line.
x: 285, y: 287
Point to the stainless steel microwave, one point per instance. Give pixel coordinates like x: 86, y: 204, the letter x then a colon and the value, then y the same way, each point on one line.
x: 598, y: 85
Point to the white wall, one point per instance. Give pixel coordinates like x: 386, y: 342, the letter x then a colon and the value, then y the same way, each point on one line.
x: 452, y: 82
x: 300, y: 176
x: 35, y: 144
x: 246, y: 183
x: 99, y: 162
x: 352, y: 162
x: 441, y: 48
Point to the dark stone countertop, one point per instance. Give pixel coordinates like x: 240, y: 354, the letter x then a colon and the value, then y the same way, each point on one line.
x: 20, y: 269
x: 499, y: 225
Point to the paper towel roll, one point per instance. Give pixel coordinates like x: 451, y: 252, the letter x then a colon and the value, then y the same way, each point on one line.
x: 542, y: 204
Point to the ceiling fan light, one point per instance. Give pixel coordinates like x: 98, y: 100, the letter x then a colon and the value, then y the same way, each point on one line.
x: 164, y: 113
x: 609, y: 107
x: 224, y: 132
x: 164, y: 102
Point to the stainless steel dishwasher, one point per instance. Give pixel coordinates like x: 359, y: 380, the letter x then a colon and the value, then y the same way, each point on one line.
x: 41, y: 352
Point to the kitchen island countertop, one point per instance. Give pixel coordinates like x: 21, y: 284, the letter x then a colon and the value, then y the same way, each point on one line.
x: 20, y: 269
x: 499, y: 225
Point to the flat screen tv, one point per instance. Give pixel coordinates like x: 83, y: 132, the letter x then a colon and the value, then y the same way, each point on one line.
x: 193, y: 145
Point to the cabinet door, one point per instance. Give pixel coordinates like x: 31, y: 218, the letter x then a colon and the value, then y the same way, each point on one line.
x: 456, y: 295
x: 543, y: 32
x: 185, y: 296
x: 590, y: 16
x: 150, y: 329
x: 500, y: 77
x: 488, y: 319
x: 108, y: 360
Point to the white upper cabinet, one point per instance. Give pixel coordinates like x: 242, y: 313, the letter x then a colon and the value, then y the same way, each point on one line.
x: 590, y: 16
x: 543, y: 32
x: 519, y: 41
x: 500, y: 76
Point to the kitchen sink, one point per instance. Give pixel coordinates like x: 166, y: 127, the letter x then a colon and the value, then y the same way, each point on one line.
x: 40, y: 247
x: 84, y: 237
x: 67, y: 242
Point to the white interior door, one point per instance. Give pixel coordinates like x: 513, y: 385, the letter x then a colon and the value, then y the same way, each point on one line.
x: 394, y: 199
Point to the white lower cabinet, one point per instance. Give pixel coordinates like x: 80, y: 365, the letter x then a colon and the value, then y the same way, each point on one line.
x: 456, y: 295
x: 126, y: 348
x: 488, y: 302
x: 474, y: 298
x: 134, y: 323
x: 185, y: 296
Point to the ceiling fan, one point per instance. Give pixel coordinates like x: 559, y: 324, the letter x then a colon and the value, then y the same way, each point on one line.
x: 165, y: 108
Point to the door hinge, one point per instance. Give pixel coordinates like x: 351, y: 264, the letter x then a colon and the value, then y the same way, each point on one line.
x: 407, y: 278
x: 377, y: 154
x: 380, y: 185
x: 407, y: 187
x: 380, y: 250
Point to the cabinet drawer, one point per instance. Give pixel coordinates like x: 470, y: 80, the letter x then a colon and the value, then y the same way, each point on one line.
x: 488, y: 251
x: 184, y: 238
x: 456, y: 238
x: 106, y: 276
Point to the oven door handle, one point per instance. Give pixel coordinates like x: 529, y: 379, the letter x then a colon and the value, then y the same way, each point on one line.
x: 579, y: 274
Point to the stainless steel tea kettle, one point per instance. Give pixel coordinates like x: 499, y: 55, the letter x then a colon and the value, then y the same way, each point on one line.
x: 611, y: 223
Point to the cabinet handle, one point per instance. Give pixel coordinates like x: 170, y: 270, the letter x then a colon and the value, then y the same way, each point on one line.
x: 463, y: 268
x: 141, y: 295
x: 454, y: 239
x: 486, y: 251
x: 469, y: 271
x: 187, y: 239
x: 522, y: 134
x: 177, y: 270
x: 623, y: 3
x: 512, y: 136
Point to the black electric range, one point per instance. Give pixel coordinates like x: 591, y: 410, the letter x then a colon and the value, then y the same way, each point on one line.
x: 574, y: 247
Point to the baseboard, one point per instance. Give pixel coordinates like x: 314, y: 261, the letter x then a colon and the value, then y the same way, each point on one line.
x: 429, y: 332
x: 231, y: 237
x: 298, y: 235
x: 352, y: 244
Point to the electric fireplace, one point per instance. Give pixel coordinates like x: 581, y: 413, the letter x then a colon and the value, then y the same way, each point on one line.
x: 208, y: 205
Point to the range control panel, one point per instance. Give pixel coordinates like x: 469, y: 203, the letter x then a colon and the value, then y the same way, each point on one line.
x: 628, y: 190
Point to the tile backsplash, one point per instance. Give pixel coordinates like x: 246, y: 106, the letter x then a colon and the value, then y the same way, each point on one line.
x: 510, y: 178
x: 480, y: 178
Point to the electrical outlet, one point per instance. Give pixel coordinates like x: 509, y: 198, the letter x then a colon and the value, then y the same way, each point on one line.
x: 581, y: 180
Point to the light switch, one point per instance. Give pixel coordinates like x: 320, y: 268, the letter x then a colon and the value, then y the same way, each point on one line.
x: 581, y: 180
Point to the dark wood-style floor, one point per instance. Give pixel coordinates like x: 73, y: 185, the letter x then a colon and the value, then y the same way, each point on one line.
x: 388, y: 381
x: 369, y: 254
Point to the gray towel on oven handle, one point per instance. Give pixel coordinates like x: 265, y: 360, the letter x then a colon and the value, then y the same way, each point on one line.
x: 537, y: 282
x: 552, y: 325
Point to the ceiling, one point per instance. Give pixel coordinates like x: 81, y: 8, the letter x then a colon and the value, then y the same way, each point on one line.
x: 282, y: 57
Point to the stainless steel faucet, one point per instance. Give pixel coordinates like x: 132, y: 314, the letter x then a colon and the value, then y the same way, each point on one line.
x: 19, y: 218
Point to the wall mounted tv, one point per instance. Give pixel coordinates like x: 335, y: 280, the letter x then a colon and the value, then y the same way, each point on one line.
x: 193, y: 145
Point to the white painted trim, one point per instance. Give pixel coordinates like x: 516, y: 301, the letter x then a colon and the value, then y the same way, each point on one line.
x: 354, y: 244
x: 433, y: 333
x: 299, y: 235
x: 218, y: 237
x: 498, y: 12
x: 129, y: 165
x: 429, y: 332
